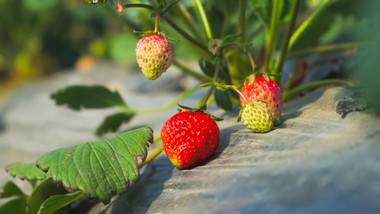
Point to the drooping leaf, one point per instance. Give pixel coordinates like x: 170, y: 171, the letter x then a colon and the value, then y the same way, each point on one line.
x: 223, y: 99
x: 99, y: 169
x: 112, y: 122
x: 79, y: 96
x: 10, y: 189
x: 14, y: 206
x: 57, y: 202
x: 25, y: 171
x: 207, y: 67
x: 43, y: 191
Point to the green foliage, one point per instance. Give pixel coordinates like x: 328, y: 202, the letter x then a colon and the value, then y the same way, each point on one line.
x: 18, y: 202
x: 55, y: 203
x: 25, y: 171
x: 10, y: 189
x: 213, y: 30
x: 43, y: 191
x: 99, y: 169
x: 14, y: 206
x: 112, y: 122
x: 77, y: 97
x: 223, y: 99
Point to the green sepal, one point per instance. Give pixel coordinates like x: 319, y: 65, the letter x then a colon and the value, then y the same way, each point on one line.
x: 143, y: 33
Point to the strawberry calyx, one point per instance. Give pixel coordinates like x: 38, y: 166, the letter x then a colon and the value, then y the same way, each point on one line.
x: 251, y: 78
x: 202, y: 109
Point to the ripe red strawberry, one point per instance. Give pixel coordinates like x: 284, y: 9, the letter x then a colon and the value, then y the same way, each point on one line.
x: 154, y: 55
x: 264, y: 89
x: 190, y: 138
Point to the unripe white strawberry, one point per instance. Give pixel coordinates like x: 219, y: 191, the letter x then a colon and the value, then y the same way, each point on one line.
x: 154, y: 55
x: 257, y: 116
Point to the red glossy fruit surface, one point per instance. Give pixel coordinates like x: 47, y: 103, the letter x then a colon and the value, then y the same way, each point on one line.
x: 189, y: 139
x: 264, y: 90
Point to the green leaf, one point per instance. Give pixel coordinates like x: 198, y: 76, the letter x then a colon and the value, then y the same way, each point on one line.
x: 223, y: 99
x: 229, y: 39
x: 10, y: 189
x: 25, y: 171
x: 207, y: 67
x: 78, y: 96
x: 42, y: 192
x: 56, y: 202
x: 14, y: 206
x: 112, y: 122
x: 99, y: 169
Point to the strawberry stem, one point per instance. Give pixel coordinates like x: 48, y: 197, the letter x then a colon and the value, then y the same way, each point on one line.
x: 156, y: 24
x: 154, y: 154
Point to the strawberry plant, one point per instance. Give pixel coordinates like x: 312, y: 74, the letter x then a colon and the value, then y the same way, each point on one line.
x: 234, y: 72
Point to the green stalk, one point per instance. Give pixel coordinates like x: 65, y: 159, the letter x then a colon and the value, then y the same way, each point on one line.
x: 168, y: 105
x: 305, y: 24
x: 202, y: 13
x: 284, y: 49
x: 326, y: 48
x: 190, y: 22
x: 270, y: 36
x: 316, y: 84
x: 201, y: 77
x: 146, y: 6
x: 118, y: 18
x: 154, y: 154
x: 255, y: 32
x: 185, y: 35
x: 242, y: 23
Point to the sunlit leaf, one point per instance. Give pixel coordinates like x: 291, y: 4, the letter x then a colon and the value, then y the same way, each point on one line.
x: 99, y: 169
x: 112, y: 122
x: 25, y: 171
x: 79, y: 96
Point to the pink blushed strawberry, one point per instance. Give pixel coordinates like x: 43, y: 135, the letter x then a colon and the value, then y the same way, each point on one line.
x: 154, y: 55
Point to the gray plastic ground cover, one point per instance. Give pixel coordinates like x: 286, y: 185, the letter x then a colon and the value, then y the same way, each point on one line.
x: 314, y: 162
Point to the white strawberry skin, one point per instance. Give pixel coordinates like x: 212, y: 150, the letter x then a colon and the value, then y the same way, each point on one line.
x: 257, y: 116
x: 154, y: 55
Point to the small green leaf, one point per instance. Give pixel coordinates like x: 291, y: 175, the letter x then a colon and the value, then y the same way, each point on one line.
x: 25, y: 171
x: 14, y: 206
x: 78, y: 96
x: 99, y: 169
x: 207, y: 67
x: 112, y: 122
x: 42, y: 192
x: 167, y: 8
x: 229, y: 39
x: 10, y: 189
x: 223, y: 99
x: 56, y: 202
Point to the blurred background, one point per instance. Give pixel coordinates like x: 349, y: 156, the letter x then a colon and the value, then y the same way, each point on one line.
x: 40, y: 37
